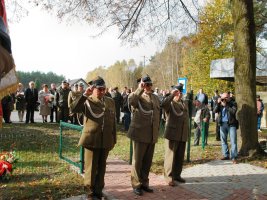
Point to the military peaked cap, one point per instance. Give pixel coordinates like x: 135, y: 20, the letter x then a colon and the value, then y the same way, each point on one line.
x: 178, y: 87
x: 146, y: 79
x: 97, y: 82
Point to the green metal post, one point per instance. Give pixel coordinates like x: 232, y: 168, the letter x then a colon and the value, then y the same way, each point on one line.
x: 60, y: 140
x: 190, y: 109
x: 131, y: 152
x: 81, y: 159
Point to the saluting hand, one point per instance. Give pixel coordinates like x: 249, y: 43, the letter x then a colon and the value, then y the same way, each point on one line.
x: 89, y: 91
x: 141, y: 85
x: 174, y: 92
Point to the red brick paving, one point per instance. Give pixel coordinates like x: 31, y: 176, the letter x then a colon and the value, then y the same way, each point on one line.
x: 118, y: 185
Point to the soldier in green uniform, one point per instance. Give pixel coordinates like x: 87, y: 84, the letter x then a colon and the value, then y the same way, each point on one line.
x: 98, y: 136
x: 78, y: 90
x: 62, y: 101
x: 143, y: 131
x: 175, y: 134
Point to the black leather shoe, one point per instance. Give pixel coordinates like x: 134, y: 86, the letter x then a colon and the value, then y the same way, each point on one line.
x: 180, y: 179
x: 225, y: 158
x: 147, y: 189
x: 138, y: 191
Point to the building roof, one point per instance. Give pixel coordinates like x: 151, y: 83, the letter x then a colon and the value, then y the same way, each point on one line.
x: 224, y: 69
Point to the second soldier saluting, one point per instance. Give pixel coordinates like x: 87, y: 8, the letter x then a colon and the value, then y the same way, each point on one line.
x: 175, y: 134
x: 143, y: 131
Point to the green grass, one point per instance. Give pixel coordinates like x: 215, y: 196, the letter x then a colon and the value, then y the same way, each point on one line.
x: 40, y: 174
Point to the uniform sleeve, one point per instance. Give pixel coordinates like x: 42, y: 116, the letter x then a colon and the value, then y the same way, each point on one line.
x: 77, y: 106
x: 69, y: 99
x: 166, y: 102
x: 114, y: 131
x: 134, y: 97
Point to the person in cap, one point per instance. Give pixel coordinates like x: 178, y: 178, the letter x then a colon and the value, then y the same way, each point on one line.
x: 175, y: 134
x: 226, y: 109
x: 143, y: 131
x: 260, y: 108
x: 76, y: 92
x: 98, y: 135
x: 62, y: 101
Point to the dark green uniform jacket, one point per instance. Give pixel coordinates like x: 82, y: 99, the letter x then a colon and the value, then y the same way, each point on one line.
x: 177, y: 125
x: 144, y: 126
x: 99, y: 129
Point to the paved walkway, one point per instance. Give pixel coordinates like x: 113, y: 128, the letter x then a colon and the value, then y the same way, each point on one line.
x: 213, y: 180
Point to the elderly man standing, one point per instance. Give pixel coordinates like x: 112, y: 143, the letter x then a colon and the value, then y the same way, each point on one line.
x: 176, y: 135
x: 143, y: 131
x: 99, y: 134
x: 226, y: 109
x: 31, y: 98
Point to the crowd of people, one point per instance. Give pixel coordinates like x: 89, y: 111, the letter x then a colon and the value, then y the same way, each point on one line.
x: 98, y: 109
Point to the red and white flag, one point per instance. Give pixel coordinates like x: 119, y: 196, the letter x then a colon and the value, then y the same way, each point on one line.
x: 3, y: 11
x: 8, y: 78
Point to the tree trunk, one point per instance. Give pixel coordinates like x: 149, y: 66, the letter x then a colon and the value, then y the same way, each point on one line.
x: 245, y: 74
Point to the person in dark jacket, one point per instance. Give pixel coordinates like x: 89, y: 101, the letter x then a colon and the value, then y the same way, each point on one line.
x: 62, y: 101
x: 260, y: 108
x: 8, y: 106
x: 226, y: 109
x: 53, y: 91
x: 126, y: 110
x: 116, y: 96
x: 31, y: 97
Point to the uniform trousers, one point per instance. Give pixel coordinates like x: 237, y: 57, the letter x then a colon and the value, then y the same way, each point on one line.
x: 95, y: 169
x: 174, y: 159
x: 142, y: 160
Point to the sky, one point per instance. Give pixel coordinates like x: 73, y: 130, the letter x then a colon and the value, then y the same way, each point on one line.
x: 41, y: 43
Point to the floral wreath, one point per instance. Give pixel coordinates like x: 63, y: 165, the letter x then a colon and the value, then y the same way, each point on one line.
x: 7, y: 160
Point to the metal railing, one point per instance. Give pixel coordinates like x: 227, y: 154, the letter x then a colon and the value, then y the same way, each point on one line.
x: 80, y: 163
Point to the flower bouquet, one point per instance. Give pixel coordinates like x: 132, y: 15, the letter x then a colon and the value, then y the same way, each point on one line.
x: 7, y: 160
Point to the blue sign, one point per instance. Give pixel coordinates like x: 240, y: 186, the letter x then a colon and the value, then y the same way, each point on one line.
x: 184, y: 82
